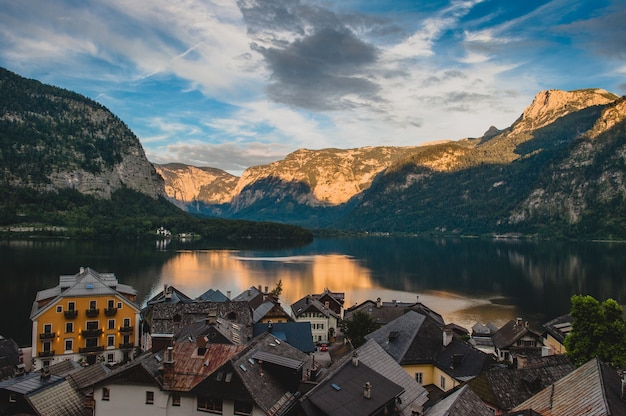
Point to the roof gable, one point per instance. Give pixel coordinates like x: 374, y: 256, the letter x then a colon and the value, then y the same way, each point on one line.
x: 343, y: 393
x: 398, y: 335
x: 511, y: 332
x: 592, y: 389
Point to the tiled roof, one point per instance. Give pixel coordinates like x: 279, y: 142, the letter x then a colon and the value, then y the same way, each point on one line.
x: 397, y: 336
x: 511, y: 332
x: 594, y: 389
x: 372, y: 355
x: 342, y: 394
x: 310, y: 304
x: 213, y: 296
x: 559, y: 327
x: 85, y: 376
x: 87, y: 282
x: 462, y: 361
x: 506, y: 388
x: 385, y: 312
x: 297, y: 334
x: 48, y: 401
x: 461, y: 402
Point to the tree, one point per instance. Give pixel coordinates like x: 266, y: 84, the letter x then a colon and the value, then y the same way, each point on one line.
x: 598, y: 330
x: 278, y: 289
x: 358, y: 327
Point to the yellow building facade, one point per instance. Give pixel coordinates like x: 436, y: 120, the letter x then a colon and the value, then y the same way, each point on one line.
x: 88, y: 317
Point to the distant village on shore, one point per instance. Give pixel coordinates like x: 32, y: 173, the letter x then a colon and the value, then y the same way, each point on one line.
x: 95, y: 351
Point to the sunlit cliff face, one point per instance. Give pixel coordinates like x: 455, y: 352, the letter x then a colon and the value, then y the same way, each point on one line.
x: 194, y: 273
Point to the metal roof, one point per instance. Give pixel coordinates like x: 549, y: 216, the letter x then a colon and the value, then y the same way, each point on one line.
x: 278, y: 360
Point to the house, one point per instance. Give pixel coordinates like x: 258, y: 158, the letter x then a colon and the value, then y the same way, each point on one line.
x: 296, y: 334
x: 428, y: 352
x: 323, y: 320
x: 253, y: 296
x: 385, y: 312
x: 592, y: 389
x: 462, y: 401
x: 161, y: 383
x: 481, y: 335
x: 516, y: 338
x: 503, y: 388
x: 263, y: 379
x: 332, y: 300
x: 229, y: 321
x: 88, y: 316
x: 46, y: 392
x: 555, y: 332
x: 270, y: 311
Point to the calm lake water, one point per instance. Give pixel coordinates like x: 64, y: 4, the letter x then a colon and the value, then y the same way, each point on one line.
x: 466, y: 280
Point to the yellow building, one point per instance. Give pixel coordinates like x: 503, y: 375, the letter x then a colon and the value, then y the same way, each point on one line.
x: 88, y: 317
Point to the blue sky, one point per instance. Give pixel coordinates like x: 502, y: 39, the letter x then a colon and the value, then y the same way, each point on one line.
x: 232, y: 84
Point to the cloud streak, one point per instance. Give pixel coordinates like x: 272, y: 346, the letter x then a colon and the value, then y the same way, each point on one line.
x: 232, y: 84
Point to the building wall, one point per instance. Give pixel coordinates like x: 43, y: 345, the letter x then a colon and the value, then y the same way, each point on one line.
x: 555, y: 346
x: 319, y: 324
x: 55, y: 317
x: 431, y: 375
x: 130, y: 399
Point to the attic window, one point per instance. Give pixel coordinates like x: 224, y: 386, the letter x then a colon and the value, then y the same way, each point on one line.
x: 243, y: 367
x: 229, y: 377
x: 220, y: 375
x: 12, y: 398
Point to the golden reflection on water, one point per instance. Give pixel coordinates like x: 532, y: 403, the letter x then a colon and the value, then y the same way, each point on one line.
x: 195, y: 272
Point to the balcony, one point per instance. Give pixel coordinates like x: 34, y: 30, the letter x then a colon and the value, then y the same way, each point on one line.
x: 110, y: 311
x: 91, y: 333
x: 70, y: 314
x: 126, y: 329
x: 127, y: 345
x: 46, y: 353
x: 92, y: 313
x: 91, y: 349
x: 47, y: 335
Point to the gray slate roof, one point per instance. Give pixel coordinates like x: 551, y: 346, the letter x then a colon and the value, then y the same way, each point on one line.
x: 385, y: 312
x: 342, y: 393
x: 594, y: 389
x: 462, y: 402
x: 506, y: 388
x: 510, y: 333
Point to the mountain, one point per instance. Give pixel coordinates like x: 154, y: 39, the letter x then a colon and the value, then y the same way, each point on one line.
x: 70, y: 167
x: 56, y: 139
x: 557, y: 171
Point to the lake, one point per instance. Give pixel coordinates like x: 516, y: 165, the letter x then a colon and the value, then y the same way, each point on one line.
x: 466, y: 280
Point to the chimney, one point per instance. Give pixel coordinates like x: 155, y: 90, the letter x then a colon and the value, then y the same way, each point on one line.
x: 379, y: 303
x: 518, y: 322
x: 201, y: 344
x: 168, y: 368
x: 259, y: 288
x: 81, y: 270
x: 45, y: 372
x: 269, y: 326
x: 367, y: 390
x: 355, y: 359
x: 447, y: 337
x: 167, y: 290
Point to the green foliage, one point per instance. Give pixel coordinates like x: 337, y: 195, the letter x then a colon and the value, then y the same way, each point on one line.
x: 598, y: 330
x: 358, y: 326
x: 278, y: 289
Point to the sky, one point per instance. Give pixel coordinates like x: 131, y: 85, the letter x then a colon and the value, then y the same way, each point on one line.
x: 231, y: 84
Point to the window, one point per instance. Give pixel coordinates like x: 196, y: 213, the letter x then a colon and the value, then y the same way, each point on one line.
x: 111, y: 304
x: 110, y: 340
x: 126, y: 339
x: 71, y: 306
x: 419, y: 377
x: 91, y: 342
x: 46, y: 346
x: 119, y: 305
x: 69, y: 327
x: 175, y: 399
x: 47, y: 328
x: 93, y: 325
x: 93, y: 304
x: 12, y: 398
x: 59, y: 309
x: 210, y: 404
x: 443, y: 383
x: 106, y: 393
x: 111, y: 324
x: 243, y: 408
x: 149, y: 397
x: 126, y: 322
x: 69, y: 345
x: 110, y: 358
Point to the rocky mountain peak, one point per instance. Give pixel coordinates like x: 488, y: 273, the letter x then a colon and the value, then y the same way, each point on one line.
x: 549, y: 105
